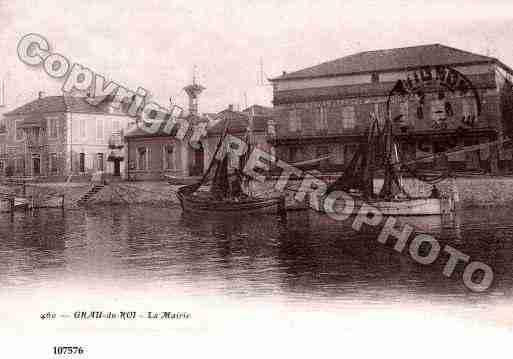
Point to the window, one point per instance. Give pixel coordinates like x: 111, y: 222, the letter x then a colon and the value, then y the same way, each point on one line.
x: 375, y: 77
x: 82, y: 127
x: 53, y: 163
x: 271, y: 127
x: 294, y: 153
x: 2, y: 166
x: 338, y: 157
x: 348, y: 117
x: 52, y: 126
x: 36, y: 164
x: 437, y: 112
x: 33, y: 136
x: 100, y: 161
x: 168, y: 157
x: 322, y: 118
x: 141, y: 158
x: 81, y: 162
x: 294, y: 120
x: 99, y: 129
x: 468, y: 111
x: 18, y: 130
x: 403, y: 110
x: 20, y: 165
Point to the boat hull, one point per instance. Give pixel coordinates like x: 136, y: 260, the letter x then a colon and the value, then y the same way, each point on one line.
x: 410, y: 207
x: 318, y: 222
x: 176, y: 181
x: 192, y: 203
x: 403, y: 207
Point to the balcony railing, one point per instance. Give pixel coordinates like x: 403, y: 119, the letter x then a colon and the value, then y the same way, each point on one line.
x: 36, y: 142
x: 116, y: 140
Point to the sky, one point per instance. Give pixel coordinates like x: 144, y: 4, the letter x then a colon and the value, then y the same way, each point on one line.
x: 156, y: 44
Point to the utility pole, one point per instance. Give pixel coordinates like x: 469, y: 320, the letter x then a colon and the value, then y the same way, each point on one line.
x: 261, y: 72
x: 261, y: 75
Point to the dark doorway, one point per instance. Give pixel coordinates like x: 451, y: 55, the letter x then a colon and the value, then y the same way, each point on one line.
x: 36, y: 166
x: 117, y: 168
x: 100, y: 162
x: 81, y: 162
x: 197, y: 165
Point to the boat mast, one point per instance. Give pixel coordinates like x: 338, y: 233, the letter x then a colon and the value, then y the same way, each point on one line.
x: 386, y: 190
x: 245, y: 158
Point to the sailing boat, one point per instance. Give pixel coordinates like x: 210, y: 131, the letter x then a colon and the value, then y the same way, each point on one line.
x: 229, y: 192
x: 392, y: 199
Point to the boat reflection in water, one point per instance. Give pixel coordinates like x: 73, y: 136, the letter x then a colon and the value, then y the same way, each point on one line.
x: 308, y: 257
x: 312, y: 254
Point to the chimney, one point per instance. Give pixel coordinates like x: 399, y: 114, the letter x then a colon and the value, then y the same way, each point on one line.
x: 40, y: 94
x: 230, y: 107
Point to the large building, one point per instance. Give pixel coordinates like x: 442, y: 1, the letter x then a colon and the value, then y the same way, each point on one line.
x: 447, y: 98
x: 54, y: 137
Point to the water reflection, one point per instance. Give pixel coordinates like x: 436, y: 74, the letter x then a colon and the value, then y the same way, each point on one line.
x: 309, y: 255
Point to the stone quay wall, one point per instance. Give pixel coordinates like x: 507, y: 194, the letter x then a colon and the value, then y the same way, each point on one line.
x: 477, y: 191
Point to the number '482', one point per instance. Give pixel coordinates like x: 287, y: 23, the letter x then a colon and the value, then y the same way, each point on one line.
x: 67, y: 350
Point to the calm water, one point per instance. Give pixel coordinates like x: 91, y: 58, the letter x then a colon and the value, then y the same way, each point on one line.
x: 309, y: 257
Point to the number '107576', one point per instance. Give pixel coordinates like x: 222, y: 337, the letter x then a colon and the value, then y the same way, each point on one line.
x: 61, y: 350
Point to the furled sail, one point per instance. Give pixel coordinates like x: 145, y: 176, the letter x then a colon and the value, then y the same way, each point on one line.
x: 359, y: 173
x: 392, y: 185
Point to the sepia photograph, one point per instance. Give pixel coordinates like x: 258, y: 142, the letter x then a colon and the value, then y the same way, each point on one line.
x: 256, y: 179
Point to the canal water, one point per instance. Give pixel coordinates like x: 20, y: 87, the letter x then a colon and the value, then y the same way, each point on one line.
x: 309, y: 257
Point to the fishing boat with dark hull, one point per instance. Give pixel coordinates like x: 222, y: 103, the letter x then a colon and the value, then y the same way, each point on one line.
x: 201, y: 202
x: 224, y: 189
x: 181, y: 180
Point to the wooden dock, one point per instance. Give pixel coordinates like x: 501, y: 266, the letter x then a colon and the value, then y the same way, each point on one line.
x: 13, y: 198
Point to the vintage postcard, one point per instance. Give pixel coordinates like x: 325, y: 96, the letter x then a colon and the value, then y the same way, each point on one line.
x: 262, y: 179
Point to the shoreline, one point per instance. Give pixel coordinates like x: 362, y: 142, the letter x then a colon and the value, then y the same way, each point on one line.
x: 470, y: 191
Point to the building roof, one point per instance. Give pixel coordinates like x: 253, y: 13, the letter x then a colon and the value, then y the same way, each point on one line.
x: 480, y: 81
x: 50, y: 104
x: 391, y: 60
x: 259, y: 110
x: 139, y: 131
x: 237, y: 122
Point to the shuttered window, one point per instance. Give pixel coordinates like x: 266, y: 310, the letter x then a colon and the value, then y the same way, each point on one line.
x: 469, y: 111
x: 348, y: 117
x: 142, y: 158
x: 321, y: 119
x: 168, y: 156
x: 53, y: 163
x: 294, y: 120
